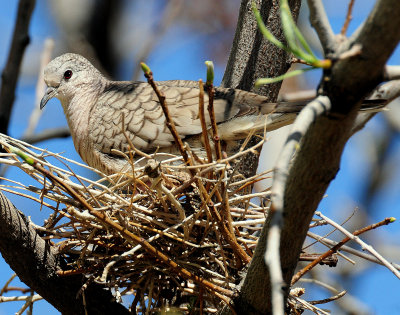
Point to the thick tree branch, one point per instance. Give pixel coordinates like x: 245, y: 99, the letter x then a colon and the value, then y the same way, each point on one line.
x: 253, y: 57
x: 36, y: 263
x: 353, y: 78
x: 318, y: 159
x: 303, y: 122
x: 10, y: 73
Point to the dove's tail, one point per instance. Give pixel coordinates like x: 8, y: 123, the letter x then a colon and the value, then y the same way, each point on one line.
x: 276, y: 115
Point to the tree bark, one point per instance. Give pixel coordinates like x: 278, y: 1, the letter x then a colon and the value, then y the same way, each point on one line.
x: 36, y: 262
x: 253, y: 57
x: 10, y: 73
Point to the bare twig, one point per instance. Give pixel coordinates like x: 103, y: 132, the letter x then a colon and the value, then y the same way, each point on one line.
x: 62, y: 132
x: 11, y: 71
x: 332, y: 298
x: 40, y: 88
x: 343, y: 31
x: 169, y: 122
x: 363, y: 244
x: 204, y: 128
x: 335, y: 248
x: 320, y: 22
x: 350, y: 250
x: 214, y: 128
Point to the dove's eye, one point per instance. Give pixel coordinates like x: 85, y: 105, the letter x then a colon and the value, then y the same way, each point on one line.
x: 67, y: 74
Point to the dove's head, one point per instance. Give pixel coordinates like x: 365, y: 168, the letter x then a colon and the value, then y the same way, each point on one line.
x: 66, y: 75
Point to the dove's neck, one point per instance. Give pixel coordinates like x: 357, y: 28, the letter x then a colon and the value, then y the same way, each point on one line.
x: 77, y: 111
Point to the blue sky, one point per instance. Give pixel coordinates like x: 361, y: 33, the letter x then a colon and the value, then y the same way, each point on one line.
x: 377, y: 287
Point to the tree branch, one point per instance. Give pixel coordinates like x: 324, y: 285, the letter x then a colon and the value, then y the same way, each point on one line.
x: 320, y: 22
x: 62, y: 132
x: 318, y: 158
x: 10, y: 73
x: 36, y: 264
x: 253, y: 57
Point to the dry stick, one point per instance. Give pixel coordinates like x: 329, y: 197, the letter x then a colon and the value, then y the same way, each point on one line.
x: 229, y: 237
x: 335, y: 248
x: 217, y: 145
x: 203, y: 123
x: 170, y: 123
x: 45, y: 58
x: 332, y: 298
x: 331, y: 260
x: 216, y: 139
x: 4, y: 289
x: 350, y: 250
x: 129, y: 236
x: 343, y: 31
x: 364, y: 246
x: 10, y: 73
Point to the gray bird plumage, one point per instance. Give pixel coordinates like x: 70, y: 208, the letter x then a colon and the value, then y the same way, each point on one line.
x: 94, y: 106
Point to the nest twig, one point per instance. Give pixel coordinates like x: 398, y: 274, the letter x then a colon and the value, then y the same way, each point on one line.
x: 167, y: 244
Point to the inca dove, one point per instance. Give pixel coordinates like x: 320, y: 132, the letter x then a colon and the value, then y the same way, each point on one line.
x: 94, y: 105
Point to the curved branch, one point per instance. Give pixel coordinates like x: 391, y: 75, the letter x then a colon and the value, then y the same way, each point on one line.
x: 320, y: 22
x: 36, y: 264
x: 10, y: 73
x: 62, y: 132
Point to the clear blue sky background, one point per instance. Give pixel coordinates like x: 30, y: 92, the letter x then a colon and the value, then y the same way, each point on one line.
x: 377, y: 287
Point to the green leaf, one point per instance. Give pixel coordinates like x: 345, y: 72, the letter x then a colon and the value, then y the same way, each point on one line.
x: 263, y: 81
x: 210, y: 72
x: 22, y: 155
x: 145, y: 68
x: 266, y: 33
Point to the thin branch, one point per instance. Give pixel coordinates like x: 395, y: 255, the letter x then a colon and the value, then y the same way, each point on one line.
x: 62, y: 132
x: 335, y: 248
x: 214, y: 128
x: 346, y: 24
x: 40, y: 87
x: 327, y: 241
x: 332, y: 298
x: 363, y: 244
x: 391, y: 73
x: 320, y: 22
x: 10, y: 73
x: 169, y: 122
x: 204, y: 128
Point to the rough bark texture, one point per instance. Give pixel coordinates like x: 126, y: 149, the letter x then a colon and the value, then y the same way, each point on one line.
x: 36, y: 263
x: 253, y: 57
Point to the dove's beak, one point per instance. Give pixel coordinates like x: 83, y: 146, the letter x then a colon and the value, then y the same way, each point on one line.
x: 50, y: 93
